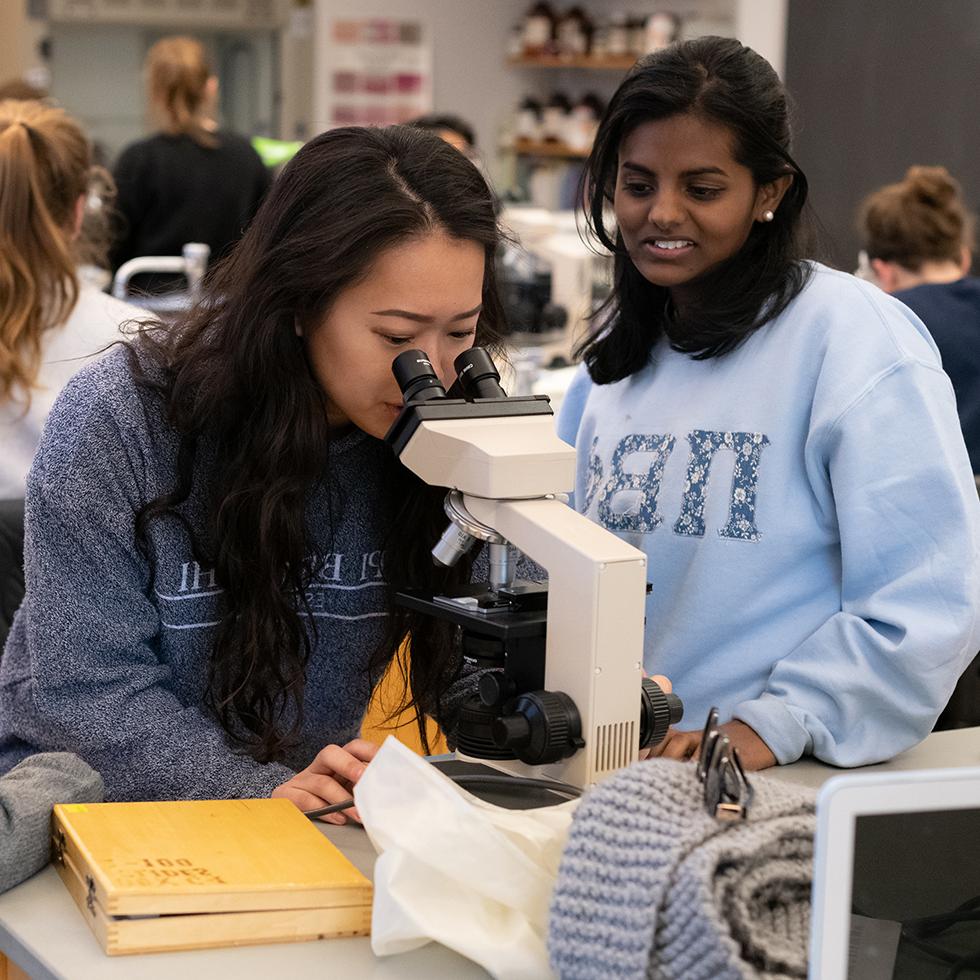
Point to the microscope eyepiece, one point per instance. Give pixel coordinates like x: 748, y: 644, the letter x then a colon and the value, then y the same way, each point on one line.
x: 478, y: 375
x: 416, y: 377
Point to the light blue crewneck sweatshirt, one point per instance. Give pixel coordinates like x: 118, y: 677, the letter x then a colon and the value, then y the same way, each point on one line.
x: 810, y: 518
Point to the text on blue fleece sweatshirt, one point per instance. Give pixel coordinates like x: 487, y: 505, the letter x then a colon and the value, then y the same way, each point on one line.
x: 109, y: 661
x: 810, y: 519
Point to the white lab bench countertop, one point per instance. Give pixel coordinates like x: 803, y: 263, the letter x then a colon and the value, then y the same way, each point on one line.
x: 42, y: 931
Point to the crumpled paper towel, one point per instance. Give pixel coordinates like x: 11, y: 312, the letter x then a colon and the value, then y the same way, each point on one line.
x: 451, y: 868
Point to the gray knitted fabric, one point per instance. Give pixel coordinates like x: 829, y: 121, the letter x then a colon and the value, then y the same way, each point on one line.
x: 27, y: 794
x: 651, y: 886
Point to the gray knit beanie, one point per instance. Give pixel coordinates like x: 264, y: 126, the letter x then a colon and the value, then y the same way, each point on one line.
x: 650, y: 885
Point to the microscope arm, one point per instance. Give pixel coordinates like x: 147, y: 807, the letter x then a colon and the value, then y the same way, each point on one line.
x: 596, y: 606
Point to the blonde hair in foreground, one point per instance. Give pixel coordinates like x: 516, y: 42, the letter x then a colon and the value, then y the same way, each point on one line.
x: 177, y: 73
x: 44, y: 166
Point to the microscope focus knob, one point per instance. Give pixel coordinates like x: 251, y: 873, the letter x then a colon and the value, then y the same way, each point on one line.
x: 511, y: 731
x: 539, y: 727
x: 658, y: 711
x: 495, y: 688
x: 473, y: 733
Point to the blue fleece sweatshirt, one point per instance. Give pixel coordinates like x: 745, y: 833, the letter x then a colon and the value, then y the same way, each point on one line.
x: 108, y: 654
x: 951, y: 312
x: 810, y: 519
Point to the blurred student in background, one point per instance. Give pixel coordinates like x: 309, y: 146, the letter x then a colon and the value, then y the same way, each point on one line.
x: 454, y: 130
x: 919, y: 237
x: 191, y: 181
x: 17, y: 88
x: 51, y: 319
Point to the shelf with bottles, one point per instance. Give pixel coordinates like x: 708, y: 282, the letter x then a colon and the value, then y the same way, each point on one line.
x: 550, y: 37
x: 607, y: 62
x: 557, y: 128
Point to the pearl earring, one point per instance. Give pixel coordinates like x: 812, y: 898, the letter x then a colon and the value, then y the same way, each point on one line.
x: 767, y: 216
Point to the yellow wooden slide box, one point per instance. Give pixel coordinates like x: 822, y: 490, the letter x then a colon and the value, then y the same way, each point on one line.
x: 188, y: 874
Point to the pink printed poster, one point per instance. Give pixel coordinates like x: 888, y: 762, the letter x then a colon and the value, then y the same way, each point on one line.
x: 378, y: 71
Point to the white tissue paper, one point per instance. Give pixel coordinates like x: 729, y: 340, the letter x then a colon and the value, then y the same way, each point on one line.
x: 451, y: 868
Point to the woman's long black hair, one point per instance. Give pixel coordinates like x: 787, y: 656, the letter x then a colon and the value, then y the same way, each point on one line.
x: 237, y: 380
x: 724, y: 82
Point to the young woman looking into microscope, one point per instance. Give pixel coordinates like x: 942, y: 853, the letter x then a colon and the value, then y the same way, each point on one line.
x: 215, y: 528
x: 778, y: 437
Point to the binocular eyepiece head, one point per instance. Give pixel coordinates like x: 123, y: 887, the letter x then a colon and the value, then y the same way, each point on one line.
x: 417, y: 378
x: 477, y: 374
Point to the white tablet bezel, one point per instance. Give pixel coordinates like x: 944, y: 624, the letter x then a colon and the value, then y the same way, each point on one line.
x: 840, y: 802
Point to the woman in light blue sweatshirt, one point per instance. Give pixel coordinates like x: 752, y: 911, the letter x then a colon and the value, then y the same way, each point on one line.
x: 214, y: 526
x: 779, y: 438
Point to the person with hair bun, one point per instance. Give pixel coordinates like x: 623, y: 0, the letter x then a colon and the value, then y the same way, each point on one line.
x: 51, y: 320
x: 919, y: 240
x: 191, y: 181
x: 778, y: 437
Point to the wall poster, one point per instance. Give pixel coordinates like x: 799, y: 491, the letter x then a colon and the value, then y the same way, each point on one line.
x: 378, y: 71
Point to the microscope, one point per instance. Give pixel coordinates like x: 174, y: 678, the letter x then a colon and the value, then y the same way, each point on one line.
x: 563, y: 696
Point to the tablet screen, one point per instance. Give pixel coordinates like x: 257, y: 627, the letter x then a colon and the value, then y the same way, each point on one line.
x: 912, y: 872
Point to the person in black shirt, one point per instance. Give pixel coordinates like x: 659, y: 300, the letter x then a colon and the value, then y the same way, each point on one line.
x: 189, y: 182
x: 919, y: 238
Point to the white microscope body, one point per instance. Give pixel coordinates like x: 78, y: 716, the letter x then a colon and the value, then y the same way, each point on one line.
x: 513, y: 472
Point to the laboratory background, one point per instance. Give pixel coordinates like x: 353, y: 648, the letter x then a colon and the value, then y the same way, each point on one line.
x: 799, y: 795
